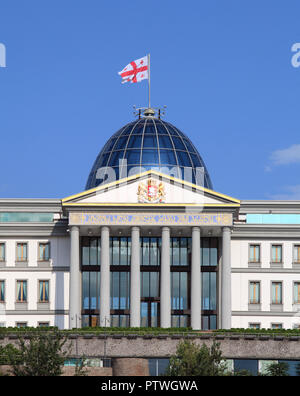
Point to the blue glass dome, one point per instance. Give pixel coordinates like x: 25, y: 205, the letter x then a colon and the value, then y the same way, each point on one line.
x: 150, y: 143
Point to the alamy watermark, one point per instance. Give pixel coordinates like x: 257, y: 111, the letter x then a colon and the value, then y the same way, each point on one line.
x: 181, y: 188
x: 295, y: 60
x: 2, y: 55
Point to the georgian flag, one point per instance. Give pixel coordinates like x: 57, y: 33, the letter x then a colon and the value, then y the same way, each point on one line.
x: 136, y: 71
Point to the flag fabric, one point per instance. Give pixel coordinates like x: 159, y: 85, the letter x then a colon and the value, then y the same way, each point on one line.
x: 135, y: 71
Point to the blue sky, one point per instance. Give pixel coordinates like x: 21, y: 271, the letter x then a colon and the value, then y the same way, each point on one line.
x: 223, y: 68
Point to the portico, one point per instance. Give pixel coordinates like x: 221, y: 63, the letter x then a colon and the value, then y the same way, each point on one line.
x: 177, y: 274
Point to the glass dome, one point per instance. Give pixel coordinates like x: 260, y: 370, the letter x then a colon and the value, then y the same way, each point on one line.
x: 150, y: 143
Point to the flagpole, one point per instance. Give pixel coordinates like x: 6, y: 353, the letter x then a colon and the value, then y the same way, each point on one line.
x: 149, y: 80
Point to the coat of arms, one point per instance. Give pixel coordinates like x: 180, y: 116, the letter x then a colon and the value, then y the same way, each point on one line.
x: 151, y: 192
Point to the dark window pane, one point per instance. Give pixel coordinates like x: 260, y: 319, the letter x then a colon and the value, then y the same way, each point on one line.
x: 165, y: 142
x: 150, y: 128
x: 135, y: 141
x: 149, y: 157
x: 121, y: 143
x: 189, y: 146
x: 115, y: 157
x: 93, y: 290
x: 85, y: 290
x: 167, y: 157
x: 178, y: 143
x: 150, y: 141
x: 138, y: 130
x: 109, y: 145
x: 133, y: 156
x: 250, y: 365
x: 184, y: 158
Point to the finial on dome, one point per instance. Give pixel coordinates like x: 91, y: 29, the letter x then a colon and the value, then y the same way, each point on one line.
x: 149, y: 111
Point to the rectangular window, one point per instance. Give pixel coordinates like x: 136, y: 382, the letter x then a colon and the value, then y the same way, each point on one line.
x: 276, y: 253
x: 120, y: 250
x: 44, y: 291
x: 21, y: 291
x: 209, y: 291
x: 21, y: 324
x: 179, y: 290
x: 276, y: 325
x: 150, y: 251
x: 209, y: 251
x: 254, y: 294
x: 180, y: 251
x: 90, y: 290
x: 2, y: 251
x: 254, y: 254
x: 276, y: 292
x: 43, y: 324
x: 2, y: 291
x: 120, y: 290
x: 90, y: 251
x: 254, y: 325
x: 296, y: 253
x: 22, y: 251
x: 44, y: 251
x: 297, y: 293
x: 179, y: 320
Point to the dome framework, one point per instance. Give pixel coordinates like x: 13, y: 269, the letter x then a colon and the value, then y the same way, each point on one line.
x: 145, y: 144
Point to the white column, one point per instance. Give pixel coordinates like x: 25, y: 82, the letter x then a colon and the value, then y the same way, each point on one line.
x: 104, y: 279
x: 226, y: 279
x: 165, y: 281
x: 196, y: 280
x: 135, y: 286
x: 74, y: 285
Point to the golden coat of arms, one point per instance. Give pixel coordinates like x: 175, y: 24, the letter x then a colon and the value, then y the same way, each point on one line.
x: 151, y: 192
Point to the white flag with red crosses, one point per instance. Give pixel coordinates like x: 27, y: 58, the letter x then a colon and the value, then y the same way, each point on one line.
x: 136, y: 71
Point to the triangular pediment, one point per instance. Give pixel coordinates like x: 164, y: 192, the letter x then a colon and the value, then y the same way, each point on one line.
x: 150, y: 188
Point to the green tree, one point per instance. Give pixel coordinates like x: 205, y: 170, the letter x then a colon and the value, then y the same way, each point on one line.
x: 193, y: 360
x: 42, y: 355
x: 277, y: 370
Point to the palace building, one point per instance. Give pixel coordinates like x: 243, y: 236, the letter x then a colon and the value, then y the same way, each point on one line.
x: 149, y: 243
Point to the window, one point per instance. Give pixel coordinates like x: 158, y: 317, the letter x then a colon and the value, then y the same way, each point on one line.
x: 43, y: 324
x: 90, y: 251
x: 2, y: 291
x: 90, y: 290
x: 22, y: 251
x: 250, y: 365
x: 254, y: 325
x: 276, y: 253
x: 276, y: 292
x: 44, y: 251
x: 120, y: 290
x: 296, y: 253
x: 254, y: 295
x: 150, y: 284
x: 209, y: 251
x: 44, y: 291
x: 150, y: 251
x: 209, y: 291
x: 22, y: 291
x: 254, y: 254
x: 276, y: 326
x: 120, y: 250
x: 2, y: 251
x: 180, y: 251
x: 119, y: 320
x: 21, y: 324
x: 297, y: 293
x: 179, y: 290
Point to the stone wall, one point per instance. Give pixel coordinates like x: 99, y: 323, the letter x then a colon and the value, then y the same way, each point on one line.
x: 134, y: 346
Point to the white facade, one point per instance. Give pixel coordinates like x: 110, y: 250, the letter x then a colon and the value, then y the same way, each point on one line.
x: 122, y: 199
